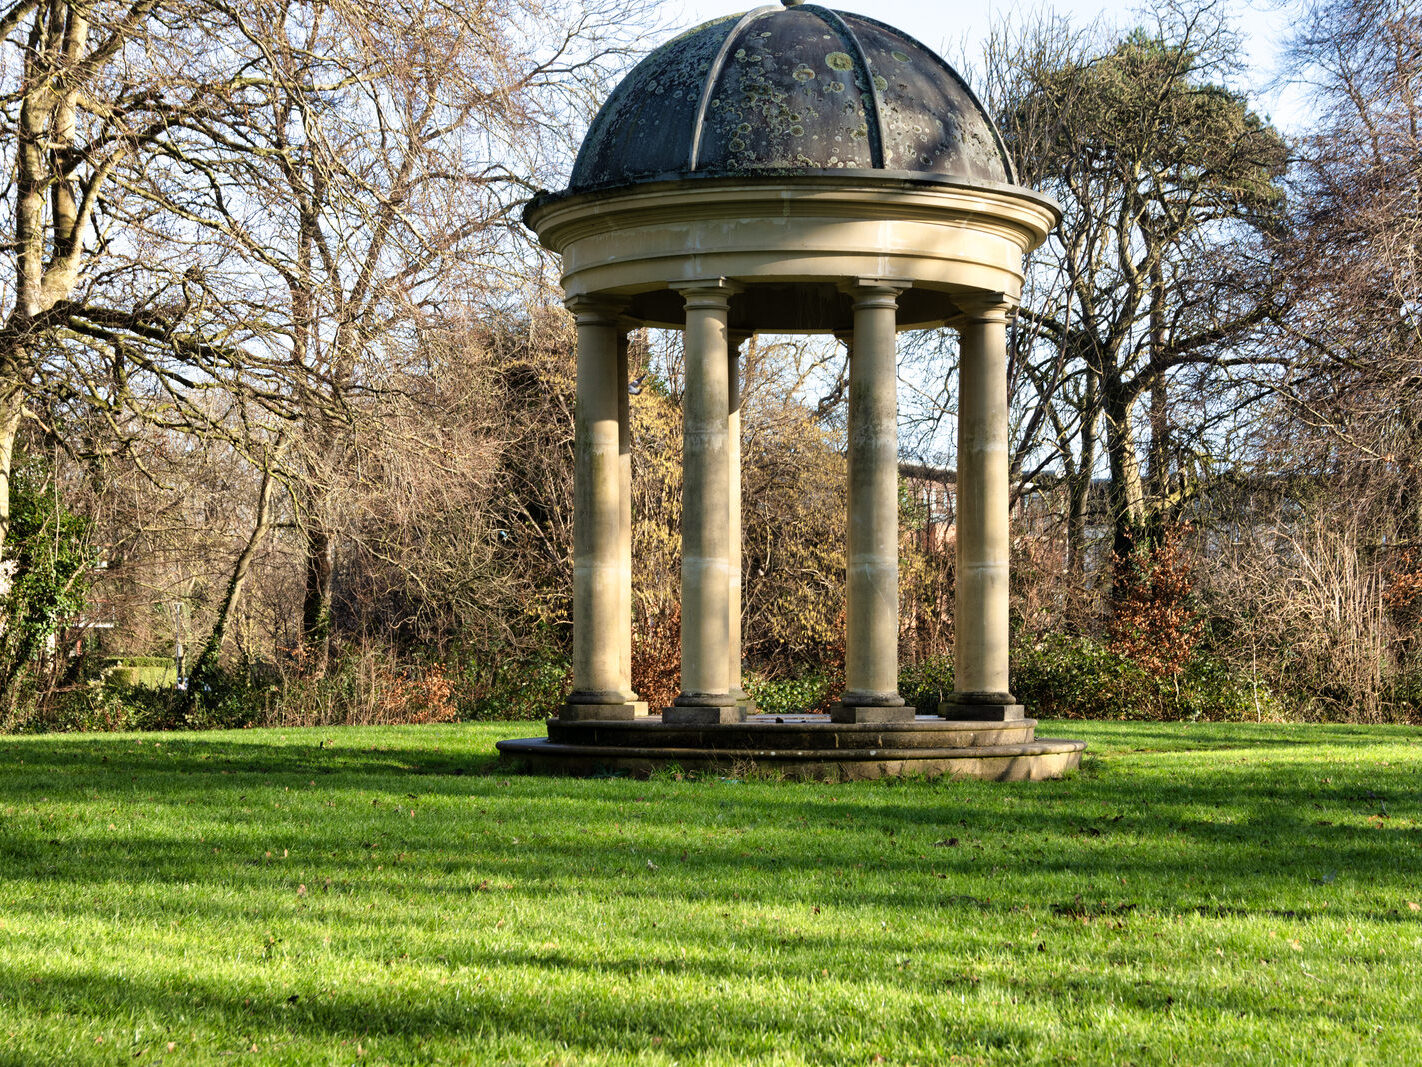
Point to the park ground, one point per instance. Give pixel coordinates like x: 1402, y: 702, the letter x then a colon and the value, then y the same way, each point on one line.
x: 1196, y: 894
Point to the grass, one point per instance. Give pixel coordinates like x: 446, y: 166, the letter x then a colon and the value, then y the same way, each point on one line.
x: 1197, y: 894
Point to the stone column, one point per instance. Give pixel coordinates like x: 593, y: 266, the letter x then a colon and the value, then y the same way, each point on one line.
x: 980, y: 654
x: 624, y: 446
x: 733, y: 441
x: 871, y: 645
x: 600, y: 686
x: 705, y: 513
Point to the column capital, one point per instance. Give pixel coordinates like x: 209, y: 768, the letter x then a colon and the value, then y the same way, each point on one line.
x: 708, y: 293
x: 875, y: 292
x: 985, y: 308
x: 736, y: 338
x: 593, y: 309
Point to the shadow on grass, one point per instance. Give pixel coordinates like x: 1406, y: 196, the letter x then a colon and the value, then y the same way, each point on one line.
x: 1206, y: 737
x: 1234, y: 830
x: 195, y: 754
x: 601, y: 1022
x: 199, y: 828
x: 604, y: 1010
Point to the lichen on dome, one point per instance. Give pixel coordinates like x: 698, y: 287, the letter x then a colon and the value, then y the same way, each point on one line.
x: 790, y: 88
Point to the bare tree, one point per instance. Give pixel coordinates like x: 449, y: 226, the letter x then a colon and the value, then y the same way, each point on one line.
x: 1172, y: 190
x: 1352, y: 409
x: 239, y: 222
x: 358, y: 183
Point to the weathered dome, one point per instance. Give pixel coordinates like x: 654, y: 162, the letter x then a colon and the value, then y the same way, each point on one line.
x: 790, y: 88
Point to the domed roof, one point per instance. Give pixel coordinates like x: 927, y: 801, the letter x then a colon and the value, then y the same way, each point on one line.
x: 786, y: 88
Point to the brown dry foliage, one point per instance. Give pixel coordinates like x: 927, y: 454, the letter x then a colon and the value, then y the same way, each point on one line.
x: 656, y: 657
x: 1155, y: 622
x: 367, y: 687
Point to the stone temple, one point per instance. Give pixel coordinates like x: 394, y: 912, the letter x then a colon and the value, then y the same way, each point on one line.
x: 793, y: 169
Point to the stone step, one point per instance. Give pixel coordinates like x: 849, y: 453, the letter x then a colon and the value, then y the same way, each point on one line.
x: 792, y: 732
x: 1035, y: 760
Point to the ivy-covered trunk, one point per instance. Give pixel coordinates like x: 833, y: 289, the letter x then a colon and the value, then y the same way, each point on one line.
x: 11, y: 408
x: 44, y: 582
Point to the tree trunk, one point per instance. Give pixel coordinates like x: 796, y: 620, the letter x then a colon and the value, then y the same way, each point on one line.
x: 45, y: 164
x: 12, y: 402
x: 1127, y: 497
x: 1158, y: 474
x: 316, y: 604
x: 1158, y: 477
x: 207, y: 661
x: 1080, y: 488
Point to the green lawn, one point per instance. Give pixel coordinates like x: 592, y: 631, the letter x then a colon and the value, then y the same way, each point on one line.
x: 1197, y: 894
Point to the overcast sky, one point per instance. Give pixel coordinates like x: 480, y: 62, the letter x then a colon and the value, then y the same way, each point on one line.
x: 957, y: 28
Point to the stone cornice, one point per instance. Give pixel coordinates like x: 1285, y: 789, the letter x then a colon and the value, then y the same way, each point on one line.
x: 1025, y: 215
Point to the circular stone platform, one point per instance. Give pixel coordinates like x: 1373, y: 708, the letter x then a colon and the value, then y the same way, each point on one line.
x: 798, y: 746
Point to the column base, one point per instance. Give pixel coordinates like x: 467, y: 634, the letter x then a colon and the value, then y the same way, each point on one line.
x: 975, y: 712
x: 702, y: 715
x: 624, y: 712
x: 868, y: 713
x: 744, y: 701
